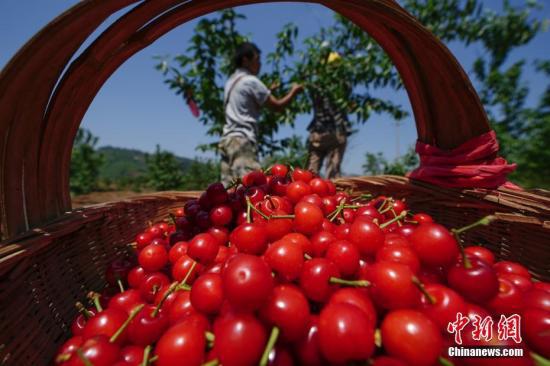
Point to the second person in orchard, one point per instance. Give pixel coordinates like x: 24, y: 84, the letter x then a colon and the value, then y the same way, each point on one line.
x: 244, y: 97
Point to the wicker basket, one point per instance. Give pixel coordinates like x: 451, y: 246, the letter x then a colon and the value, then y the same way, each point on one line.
x: 51, y: 256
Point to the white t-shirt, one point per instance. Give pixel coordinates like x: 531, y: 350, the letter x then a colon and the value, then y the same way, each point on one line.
x: 243, y: 108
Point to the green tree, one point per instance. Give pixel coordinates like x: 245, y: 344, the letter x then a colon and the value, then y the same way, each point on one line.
x: 200, y: 174
x: 85, y: 163
x: 293, y: 153
x: 163, y: 171
x: 376, y: 164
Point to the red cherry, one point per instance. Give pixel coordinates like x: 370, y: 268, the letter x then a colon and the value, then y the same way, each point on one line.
x: 146, y: 328
x: 319, y: 186
x: 508, y: 299
x: 207, y: 293
x: 181, y: 268
x: 153, y: 257
x: 345, y: 333
x: 240, y: 340
x: 411, y: 337
x: 143, y: 239
x: 301, y: 240
x: 177, y: 251
x: 434, y: 245
x: 366, y: 235
x: 151, y: 284
x: 181, y: 307
x: 126, y: 300
x: 345, y: 255
x: 217, y: 194
x: 105, y: 323
x: 136, y: 276
x: 537, y: 299
x: 482, y: 253
x: 221, y: 234
x: 250, y: 238
x: 254, y: 178
x: 288, y: 309
x: 221, y: 215
x: 315, y: 277
x: 399, y: 254
x: 286, y: 259
x: 447, y: 304
x: 203, y: 248
x: 131, y: 355
x: 98, y: 351
x: 422, y: 218
x: 308, y: 218
x: 392, y: 285
x: 247, y: 281
x: 522, y: 283
x: 279, y: 170
x: 307, y: 349
x: 296, y: 190
x: 299, y: 174
x: 320, y: 242
x: 278, y: 227
x: 183, y: 341
x: 536, y: 323
x: 357, y: 297
x: 477, y: 283
x: 511, y: 267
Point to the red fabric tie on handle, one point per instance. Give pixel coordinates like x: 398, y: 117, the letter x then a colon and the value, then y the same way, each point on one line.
x: 474, y: 164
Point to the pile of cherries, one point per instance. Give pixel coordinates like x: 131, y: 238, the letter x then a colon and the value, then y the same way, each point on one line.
x: 283, y: 269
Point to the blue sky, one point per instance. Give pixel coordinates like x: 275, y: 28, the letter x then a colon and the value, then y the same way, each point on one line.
x: 135, y: 109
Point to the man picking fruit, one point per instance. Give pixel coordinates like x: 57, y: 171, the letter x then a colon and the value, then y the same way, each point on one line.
x: 244, y: 96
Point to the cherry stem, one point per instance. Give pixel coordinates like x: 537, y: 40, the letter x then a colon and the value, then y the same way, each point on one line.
x: 383, y: 207
x: 307, y: 256
x: 334, y: 214
x: 270, y: 344
x: 249, y: 204
x: 94, y: 296
x: 83, y: 358
x: 483, y: 221
x: 248, y: 215
x: 81, y: 309
x: 422, y: 289
x: 282, y: 217
x: 124, y: 325
x: 395, y: 215
x: 214, y: 362
x: 361, y: 197
x: 146, y: 354
x: 456, y: 232
x: 356, y: 283
x: 184, y: 281
x: 539, y: 360
x: 378, y: 337
x: 172, y: 217
x: 396, y: 218
x: 444, y: 362
x: 63, y: 357
x: 120, y: 285
x: 153, y: 359
x: 133, y: 244
x: 210, y: 337
x: 171, y: 289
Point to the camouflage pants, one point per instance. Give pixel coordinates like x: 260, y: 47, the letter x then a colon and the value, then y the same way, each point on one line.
x: 326, y: 145
x: 238, y: 156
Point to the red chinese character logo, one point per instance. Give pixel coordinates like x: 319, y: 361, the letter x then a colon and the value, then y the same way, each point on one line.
x: 482, y: 328
x: 457, y: 326
x: 509, y: 328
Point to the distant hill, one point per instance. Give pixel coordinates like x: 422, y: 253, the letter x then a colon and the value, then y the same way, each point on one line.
x: 127, y: 163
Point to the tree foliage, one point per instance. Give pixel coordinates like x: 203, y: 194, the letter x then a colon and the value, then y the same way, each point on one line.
x: 377, y: 164
x: 85, y: 163
x: 364, y: 68
x: 163, y: 171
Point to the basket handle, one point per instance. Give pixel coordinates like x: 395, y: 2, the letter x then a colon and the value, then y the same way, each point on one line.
x: 41, y: 107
